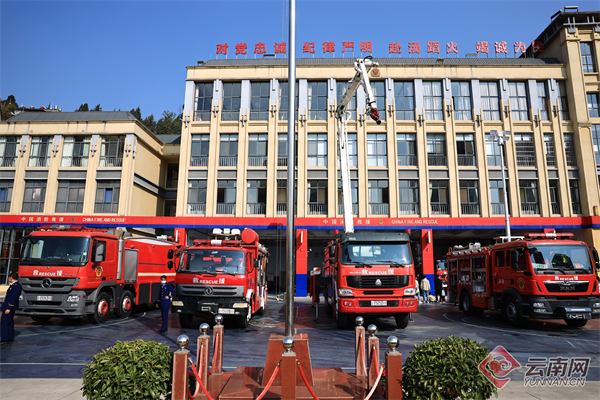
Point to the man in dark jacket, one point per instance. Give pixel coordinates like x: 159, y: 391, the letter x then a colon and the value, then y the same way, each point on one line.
x: 8, y: 308
x: 164, y: 301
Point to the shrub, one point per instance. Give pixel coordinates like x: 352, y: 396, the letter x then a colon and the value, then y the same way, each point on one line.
x: 137, y: 369
x: 446, y: 368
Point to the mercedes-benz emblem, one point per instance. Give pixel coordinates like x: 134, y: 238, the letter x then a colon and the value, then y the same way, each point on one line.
x: 209, y: 291
x: 46, y: 283
x: 378, y: 282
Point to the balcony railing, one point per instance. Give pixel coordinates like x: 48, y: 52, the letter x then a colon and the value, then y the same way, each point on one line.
x: 440, y: 209
x: 498, y: 208
x: 379, y: 209
x: 225, y: 208
x: 494, y: 161
x: 228, y: 161
x: 314, y: 115
x: 196, y: 208
x: 256, y: 208
x: 354, y: 209
x: 409, y: 209
x: 8, y: 161
x: 530, y: 208
x: 469, y: 209
x: 550, y: 160
x: 199, y: 161
x: 111, y: 161
x: 74, y: 161
x: 436, y: 160
x: 571, y: 160
x: 282, y: 161
x: 525, y: 161
x: 257, y: 161
x: 281, y: 208
x: 407, y: 160
x: 317, y: 161
x: 202, y: 116
x: 317, y: 209
x: 259, y: 115
x: 39, y: 162
x: 576, y: 208
x: 230, y: 115
x: 555, y: 208
x: 466, y: 161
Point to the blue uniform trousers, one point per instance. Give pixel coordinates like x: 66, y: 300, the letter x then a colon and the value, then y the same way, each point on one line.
x: 164, y: 311
x: 7, y: 325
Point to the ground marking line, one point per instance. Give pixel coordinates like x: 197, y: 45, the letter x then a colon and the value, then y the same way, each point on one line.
x: 82, y: 329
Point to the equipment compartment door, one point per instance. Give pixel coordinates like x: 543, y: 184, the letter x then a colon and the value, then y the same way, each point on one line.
x: 130, y: 264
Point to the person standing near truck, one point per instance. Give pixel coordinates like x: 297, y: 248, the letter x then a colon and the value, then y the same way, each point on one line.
x: 8, y: 308
x: 166, y: 297
x: 425, y: 288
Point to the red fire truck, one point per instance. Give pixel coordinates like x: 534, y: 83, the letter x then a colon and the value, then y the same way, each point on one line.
x: 540, y: 275
x: 370, y: 273
x: 71, y: 271
x: 225, y: 275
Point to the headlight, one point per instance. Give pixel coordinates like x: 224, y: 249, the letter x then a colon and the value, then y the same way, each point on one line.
x: 345, y: 292
x: 73, y: 299
x: 177, y: 303
x: 240, y: 305
x: 410, y: 291
x: 20, y: 297
x: 596, y: 305
x: 539, y: 310
x: 539, y: 305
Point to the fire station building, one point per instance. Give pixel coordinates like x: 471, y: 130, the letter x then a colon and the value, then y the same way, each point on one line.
x: 430, y: 169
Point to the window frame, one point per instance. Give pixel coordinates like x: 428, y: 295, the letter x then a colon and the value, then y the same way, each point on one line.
x: 377, y: 150
x: 203, y: 100
x: 115, y: 189
x: 69, y: 185
x: 404, y: 102
x: 259, y: 101
x: 519, y: 103
x: 462, y: 102
x: 488, y: 101
x: 197, y: 190
x: 231, y: 101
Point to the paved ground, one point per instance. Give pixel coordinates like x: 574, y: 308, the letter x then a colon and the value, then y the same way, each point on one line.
x: 46, y: 361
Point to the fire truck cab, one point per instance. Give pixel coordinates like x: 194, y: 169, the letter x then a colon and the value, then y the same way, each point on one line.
x: 540, y: 275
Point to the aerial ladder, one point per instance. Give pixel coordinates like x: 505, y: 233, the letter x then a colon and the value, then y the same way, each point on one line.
x: 361, y: 78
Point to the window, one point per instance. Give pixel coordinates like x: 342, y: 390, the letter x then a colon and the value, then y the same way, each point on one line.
x: 204, y: 96
x: 317, y: 149
x: 587, y: 58
x: 497, y: 196
x: 405, y: 101
x: 562, y: 98
x: 492, y: 151
x: 379, y: 93
x: 34, y: 197
x: 432, y: 100
x: 317, y: 197
x: 570, y: 150
x: 111, y: 154
x: 170, y: 208
x: 407, y: 149
x: 69, y: 198
x: 438, y: 196
x: 353, y: 194
x: 408, y: 196
x: 39, y: 156
x: 500, y: 259
x: 436, y: 149
x: 197, y: 197
x: 469, y: 197
x: 465, y: 149
x: 107, y: 197
x: 228, y: 150
x: 6, y: 189
x: 518, y: 100
x: 259, y: 101
x: 525, y: 150
x: 461, y: 95
x: 200, y: 147
x: 257, y: 150
x: 76, y: 151
x: 226, y: 193
x: 8, y: 151
x: 352, y: 151
x: 596, y: 141
x: 317, y: 101
x: 172, y: 175
x: 376, y: 149
x: 232, y: 100
x: 282, y: 149
x: 379, y: 197
x: 284, y: 100
x: 549, y: 149
x: 257, y: 197
x: 575, y: 199
x: 341, y: 89
x: 282, y: 196
x: 489, y: 101
x: 542, y: 100
x: 529, y: 197
x: 554, y: 196
x: 592, y: 99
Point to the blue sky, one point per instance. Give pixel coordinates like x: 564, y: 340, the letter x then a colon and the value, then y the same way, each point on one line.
x: 125, y: 54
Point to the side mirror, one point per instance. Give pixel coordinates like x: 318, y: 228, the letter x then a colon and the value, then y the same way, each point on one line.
x: 170, y: 254
x: 257, y: 263
x: 331, y: 252
x: 595, y: 255
x: 514, y: 259
x: 538, y: 257
x: 99, y: 254
x: 170, y: 264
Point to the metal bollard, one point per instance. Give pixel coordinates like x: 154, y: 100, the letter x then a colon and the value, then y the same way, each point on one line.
x: 288, y: 370
x: 393, y: 370
x: 373, y: 354
x: 218, y: 330
x: 180, y: 370
x: 359, y: 347
x: 203, y: 342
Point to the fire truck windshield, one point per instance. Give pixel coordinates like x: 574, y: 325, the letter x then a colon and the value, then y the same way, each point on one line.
x: 212, y: 261
x: 377, y: 254
x: 560, y: 259
x: 56, y: 250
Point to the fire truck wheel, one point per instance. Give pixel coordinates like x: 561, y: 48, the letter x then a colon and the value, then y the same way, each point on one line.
x: 576, y: 323
x: 101, y: 310
x: 244, y: 320
x: 41, y: 320
x: 467, y: 305
x: 511, y: 312
x: 260, y: 311
x: 126, y: 305
x: 341, y: 320
x: 401, y: 320
x: 185, y: 320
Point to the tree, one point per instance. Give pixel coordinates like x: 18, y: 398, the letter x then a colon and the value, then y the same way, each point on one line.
x: 169, y: 124
x: 136, y: 112
x: 83, y: 107
x: 8, y: 106
x: 150, y: 123
x: 97, y: 108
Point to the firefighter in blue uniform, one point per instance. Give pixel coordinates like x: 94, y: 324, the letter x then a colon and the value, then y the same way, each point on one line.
x: 10, y: 305
x: 164, y: 302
